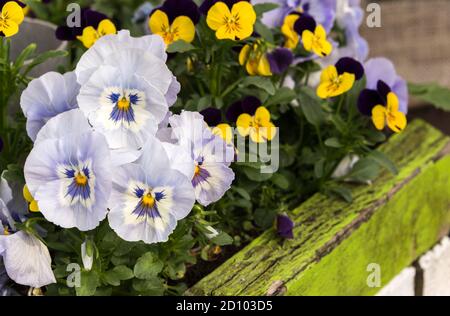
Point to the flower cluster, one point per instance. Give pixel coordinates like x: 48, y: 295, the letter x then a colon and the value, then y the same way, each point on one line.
x: 153, y: 151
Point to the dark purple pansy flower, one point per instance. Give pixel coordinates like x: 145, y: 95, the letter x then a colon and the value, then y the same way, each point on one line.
x: 247, y: 105
x: 285, y: 226
x: 350, y: 65
x: 176, y: 8
x: 207, y: 4
x: 305, y: 22
x: 280, y: 59
x: 212, y: 116
x: 88, y: 18
x: 368, y: 98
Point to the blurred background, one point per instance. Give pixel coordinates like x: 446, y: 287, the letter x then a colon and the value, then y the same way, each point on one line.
x: 414, y: 34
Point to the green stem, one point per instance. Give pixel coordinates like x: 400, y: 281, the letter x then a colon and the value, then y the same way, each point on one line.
x: 341, y: 103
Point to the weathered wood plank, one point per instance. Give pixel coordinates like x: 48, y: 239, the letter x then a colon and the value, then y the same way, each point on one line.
x: 390, y: 223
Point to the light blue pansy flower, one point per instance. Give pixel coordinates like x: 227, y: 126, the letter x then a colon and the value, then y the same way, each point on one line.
x: 211, y: 155
x: 26, y: 259
x: 46, y: 97
x: 149, y: 196
x: 150, y: 47
x: 70, y: 176
x: 127, y: 95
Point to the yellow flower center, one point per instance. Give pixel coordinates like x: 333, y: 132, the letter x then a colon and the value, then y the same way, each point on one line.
x: 148, y: 200
x: 80, y: 179
x: 5, y: 231
x: 123, y: 104
x: 232, y: 23
x: 196, y: 170
x: 170, y: 34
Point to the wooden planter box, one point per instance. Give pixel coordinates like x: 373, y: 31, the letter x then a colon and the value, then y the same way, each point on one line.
x: 390, y: 224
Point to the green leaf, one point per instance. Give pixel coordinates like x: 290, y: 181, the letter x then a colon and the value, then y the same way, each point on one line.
x: 117, y: 274
x: 24, y: 55
x: 153, y: 286
x: 260, y: 82
x: 44, y: 57
x: 364, y: 170
x: 264, y: 217
x: 89, y: 281
x: 333, y: 142
x: 264, y: 31
x: 431, y: 93
x: 311, y: 106
x: 264, y: 7
x: 148, y: 266
x: 180, y: 46
x: 223, y: 239
x: 283, y: 95
x: 383, y: 161
x: 242, y: 192
x: 343, y: 193
x: 318, y: 168
x: 280, y: 181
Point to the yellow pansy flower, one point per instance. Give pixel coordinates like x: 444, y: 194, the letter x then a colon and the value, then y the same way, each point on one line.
x: 235, y: 24
x: 182, y: 28
x: 224, y: 131
x: 333, y: 84
x: 91, y: 35
x: 317, y: 42
x: 33, y: 205
x: 389, y: 114
x: 255, y: 60
x: 258, y: 126
x: 287, y: 29
x: 11, y: 17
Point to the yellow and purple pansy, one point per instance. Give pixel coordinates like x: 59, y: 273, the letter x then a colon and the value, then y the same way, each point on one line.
x: 213, y: 117
x: 93, y: 26
x: 382, y: 105
x: 259, y: 60
x: 252, y: 119
x: 314, y: 36
x: 175, y: 20
x: 11, y: 16
x: 232, y: 20
x: 339, y: 78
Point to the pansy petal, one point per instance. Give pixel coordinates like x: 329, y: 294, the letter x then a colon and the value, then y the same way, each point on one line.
x: 27, y: 260
x: 392, y: 102
x: 185, y: 27
x: 243, y: 124
x: 10, y: 29
x: 158, y: 22
x: 216, y: 15
x: 262, y: 115
x: 14, y: 12
x: 106, y: 27
x: 379, y: 117
x: 397, y: 121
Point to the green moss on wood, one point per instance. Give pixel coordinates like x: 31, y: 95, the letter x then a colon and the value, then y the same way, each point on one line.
x: 389, y: 223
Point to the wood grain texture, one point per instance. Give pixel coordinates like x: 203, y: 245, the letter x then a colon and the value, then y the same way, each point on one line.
x: 391, y: 223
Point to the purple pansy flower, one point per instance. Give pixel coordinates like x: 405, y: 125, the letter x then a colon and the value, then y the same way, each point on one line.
x: 323, y: 11
x: 247, y: 105
x: 176, y: 8
x: 285, y: 226
x: 280, y: 59
x: 212, y: 116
